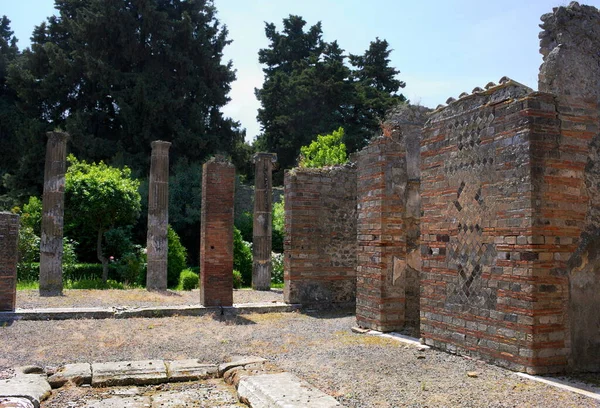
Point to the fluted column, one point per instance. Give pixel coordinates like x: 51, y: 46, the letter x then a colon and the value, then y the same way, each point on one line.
x: 158, y: 217
x: 262, y: 229
x: 9, y: 238
x: 53, y: 210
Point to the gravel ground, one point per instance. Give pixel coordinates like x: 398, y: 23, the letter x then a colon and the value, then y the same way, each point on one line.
x: 30, y: 299
x: 358, y: 370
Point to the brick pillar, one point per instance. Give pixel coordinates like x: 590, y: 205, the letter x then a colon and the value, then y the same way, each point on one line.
x: 262, y: 230
x: 158, y: 217
x: 216, y: 233
x: 51, y: 244
x: 9, y: 238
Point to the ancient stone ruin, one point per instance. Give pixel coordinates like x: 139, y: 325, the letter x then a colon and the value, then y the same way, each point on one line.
x: 158, y: 217
x: 262, y: 231
x: 9, y: 239
x: 478, y: 223
x: 53, y: 203
x: 216, y: 233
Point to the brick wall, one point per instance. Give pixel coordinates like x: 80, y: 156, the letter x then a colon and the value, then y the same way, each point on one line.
x: 388, y: 225
x: 487, y: 286
x: 320, y: 236
x: 9, y: 238
x: 216, y: 233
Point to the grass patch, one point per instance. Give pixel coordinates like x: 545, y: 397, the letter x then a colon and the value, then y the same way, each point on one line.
x: 277, y: 285
x: 85, y: 283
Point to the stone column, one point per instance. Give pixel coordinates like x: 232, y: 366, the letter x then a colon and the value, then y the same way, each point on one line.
x: 262, y: 229
x: 158, y: 217
x: 53, y: 203
x: 9, y: 238
x: 216, y: 233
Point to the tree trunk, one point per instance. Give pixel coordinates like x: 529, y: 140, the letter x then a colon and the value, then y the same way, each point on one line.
x: 101, y: 257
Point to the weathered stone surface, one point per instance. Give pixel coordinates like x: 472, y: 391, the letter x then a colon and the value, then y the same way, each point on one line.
x: 569, y: 43
x: 12, y: 402
x: 121, y: 402
x: 129, y: 373
x: 53, y: 203
x: 9, y: 238
x: 282, y: 390
x: 79, y: 373
x: 189, y: 370
x: 216, y: 233
x: 320, y: 231
x: 262, y: 229
x: 33, y: 387
x: 235, y: 374
x: 158, y: 216
x: 239, y: 361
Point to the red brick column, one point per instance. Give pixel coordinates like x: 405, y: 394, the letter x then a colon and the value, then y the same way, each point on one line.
x: 216, y: 233
x: 158, y: 217
x: 51, y: 244
x: 9, y: 238
x: 380, y: 294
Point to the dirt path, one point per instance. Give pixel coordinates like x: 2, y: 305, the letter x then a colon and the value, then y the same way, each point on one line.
x: 358, y: 370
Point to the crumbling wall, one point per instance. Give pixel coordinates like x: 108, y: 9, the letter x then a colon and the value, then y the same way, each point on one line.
x: 388, y: 282
x: 9, y: 239
x: 320, y: 236
x: 488, y: 285
x: 569, y: 198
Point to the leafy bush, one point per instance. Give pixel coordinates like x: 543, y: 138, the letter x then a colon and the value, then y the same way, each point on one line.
x: 278, y: 229
x: 245, y: 223
x: 176, y: 261
x: 237, y: 279
x: 242, y: 257
x: 327, y: 150
x: 277, y: 264
x: 31, y: 215
x: 130, y: 266
x: 188, y: 280
x: 82, y: 271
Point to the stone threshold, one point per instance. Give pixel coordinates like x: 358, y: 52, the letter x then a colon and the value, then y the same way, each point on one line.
x: 258, y: 382
x: 151, y: 311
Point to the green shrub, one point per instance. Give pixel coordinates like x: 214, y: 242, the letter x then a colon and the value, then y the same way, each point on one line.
x: 278, y: 229
x: 327, y: 150
x: 237, y: 279
x: 245, y: 223
x: 188, y: 280
x: 176, y: 261
x: 242, y: 257
x: 31, y: 215
x: 130, y: 266
x: 83, y: 271
x: 277, y: 264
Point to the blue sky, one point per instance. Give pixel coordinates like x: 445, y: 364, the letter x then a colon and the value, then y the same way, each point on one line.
x: 442, y: 48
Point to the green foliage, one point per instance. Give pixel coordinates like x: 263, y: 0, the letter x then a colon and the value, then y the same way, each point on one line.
x: 245, y: 224
x: 242, y: 257
x: 309, y: 89
x: 31, y: 215
x: 327, y: 150
x: 277, y: 265
x: 130, y: 266
x: 176, y: 259
x: 278, y: 229
x: 188, y: 280
x: 97, y: 198
x: 237, y: 280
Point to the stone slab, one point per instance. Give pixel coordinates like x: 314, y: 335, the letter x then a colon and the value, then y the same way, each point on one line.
x: 143, y: 372
x: 120, y: 402
x: 80, y: 373
x: 240, y: 361
x: 33, y: 387
x: 282, y: 390
x: 190, y: 370
x: 12, y: 402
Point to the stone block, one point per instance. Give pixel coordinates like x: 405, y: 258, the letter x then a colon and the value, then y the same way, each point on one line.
x: 129, y: 373
x: 79, y: 373
x: 190, y: 370
x: 32, y: 387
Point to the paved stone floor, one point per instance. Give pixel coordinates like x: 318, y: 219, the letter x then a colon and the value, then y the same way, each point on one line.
x: 207, y: 393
